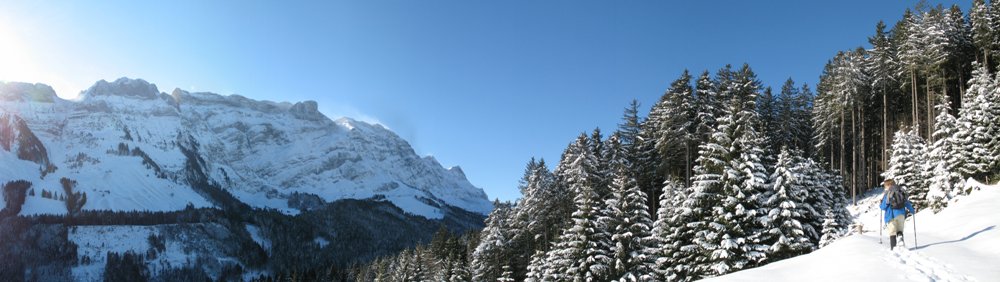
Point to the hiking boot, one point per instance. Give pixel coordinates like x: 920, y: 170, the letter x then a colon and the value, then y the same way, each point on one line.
x: 900, y: 235
x: 892, y: 242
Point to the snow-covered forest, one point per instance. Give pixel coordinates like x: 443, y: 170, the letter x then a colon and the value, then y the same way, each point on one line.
x: 724, y: 173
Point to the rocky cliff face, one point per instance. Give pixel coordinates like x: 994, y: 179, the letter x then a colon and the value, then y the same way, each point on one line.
x: 124, y: 143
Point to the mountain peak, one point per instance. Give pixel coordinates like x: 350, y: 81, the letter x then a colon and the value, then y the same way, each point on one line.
x: 308, y: 110
x: 457, y: 170
x: 21, y: 91
x: 125, y: 87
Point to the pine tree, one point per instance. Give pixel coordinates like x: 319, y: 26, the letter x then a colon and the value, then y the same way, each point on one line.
x: 494, y: 247
x: 628, y: 132
x: 664, y: 138
x: 536, y: 224
x: 818, y: 194
x: 420, y: 272
x: 769, y: 109
x: 831, y: 229
x: 907, y: 166
x: 707, y: 191
x: 979, y: 124
x: 823, y: 112
x: 802, y: 116
x: 750, y: 175
x: 630, y: 231
x: 944, y: 160
x: 884, y: 67
x: 983, y: 30
x: 670, y: 235
x: 579, y: 252
x: 729, y: 178
x: 706, y: 106
x: 600, y: 173
x: 786, y: 214
x: 671, y: 122
x: 536, y: 268
x: 792, y: 117
x: 459, y: 272
x: 507, y: 275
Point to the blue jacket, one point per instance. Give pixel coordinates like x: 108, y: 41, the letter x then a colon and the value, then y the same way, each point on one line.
x: 891, y: 213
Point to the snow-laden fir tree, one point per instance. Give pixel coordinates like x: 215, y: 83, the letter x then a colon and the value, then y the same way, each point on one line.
x: 835, y: 184
x: 822, y: 193
x: 579, y: 253
x: 706, y: 105
x: 729, y: 178
x: 507, y: 275
x: 667, y: 133
x: 945, y: 160
x: 536, y: 268
x: 494, y: 245
x: 974, y: 124
x: 443, y: 270
x: 459, y: 272
x: 600, y: 173
x: 983, y: 30
x: 694, y: 258
x: 786, y: 215
x: 767, y: 109
x: 743, y: 197
x: 675, y: 138
x: 400, y: 266
x: 669, y: 234
x: 536, y: 221
x: 793, y: 116
x: 831, y: 229
x: 627, y: 218
x: 908, y: 166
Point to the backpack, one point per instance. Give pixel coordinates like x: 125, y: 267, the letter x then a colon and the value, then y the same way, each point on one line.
x: 896, y: 197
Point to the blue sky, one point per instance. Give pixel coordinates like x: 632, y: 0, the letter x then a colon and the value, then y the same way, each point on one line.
x: 481, y: 84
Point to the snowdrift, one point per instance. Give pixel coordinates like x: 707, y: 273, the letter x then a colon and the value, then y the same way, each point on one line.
x: 960, y: 243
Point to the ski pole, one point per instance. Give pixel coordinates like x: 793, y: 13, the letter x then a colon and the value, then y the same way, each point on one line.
x: 881, y: 215
x: 914, y: 229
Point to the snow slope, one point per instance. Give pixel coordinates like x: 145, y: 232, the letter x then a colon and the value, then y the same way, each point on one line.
x: 184, y: 246
x: 960, y: 243
x: 124, y: 143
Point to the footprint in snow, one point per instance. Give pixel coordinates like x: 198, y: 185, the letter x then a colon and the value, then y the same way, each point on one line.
x: 921, y: 268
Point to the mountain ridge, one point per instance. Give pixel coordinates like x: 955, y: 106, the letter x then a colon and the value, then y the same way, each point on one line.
x: 260, y: 151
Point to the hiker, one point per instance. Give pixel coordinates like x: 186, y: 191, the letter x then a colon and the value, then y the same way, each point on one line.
x: 896, y: 207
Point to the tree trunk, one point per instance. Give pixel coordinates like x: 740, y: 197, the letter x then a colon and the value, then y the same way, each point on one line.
x: 864, y: 153
x: 842, y: 151
x: 944, y: 87
x: 961, y: 87
x: 885, y: 127
x: 831, y: 155
x: 915, y: 117
x: 930, y: 110
x: 854, y: 156
x: 687, y: 164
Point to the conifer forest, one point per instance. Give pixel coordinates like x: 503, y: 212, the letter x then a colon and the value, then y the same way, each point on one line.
x: 724, y: 173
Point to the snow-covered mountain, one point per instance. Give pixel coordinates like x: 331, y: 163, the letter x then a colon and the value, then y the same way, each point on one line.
x: 130, y: 147
x: 960, y: 243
